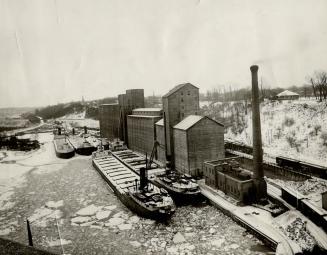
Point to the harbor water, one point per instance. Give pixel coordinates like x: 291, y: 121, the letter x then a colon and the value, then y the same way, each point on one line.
x: 72, y: 210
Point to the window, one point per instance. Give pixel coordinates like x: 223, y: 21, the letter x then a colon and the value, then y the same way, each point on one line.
x: 181, y: 93
x: 188, y: 93
x: 182, y: 100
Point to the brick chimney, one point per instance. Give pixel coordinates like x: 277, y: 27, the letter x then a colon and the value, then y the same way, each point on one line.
x: 259, y: 182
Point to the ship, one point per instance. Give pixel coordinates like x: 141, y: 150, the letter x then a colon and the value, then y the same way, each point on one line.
x: 62, y: 147
x: 81, y: 145
x: 134, y: 191
x: 182, y: 187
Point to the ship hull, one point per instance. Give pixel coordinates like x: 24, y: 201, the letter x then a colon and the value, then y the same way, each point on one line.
x: 86, y: 151
x: 64, y: 154
x: 180, y: 197
x: 133, y: 205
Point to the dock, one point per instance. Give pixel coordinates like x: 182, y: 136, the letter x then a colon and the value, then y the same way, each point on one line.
x: 260, y: 226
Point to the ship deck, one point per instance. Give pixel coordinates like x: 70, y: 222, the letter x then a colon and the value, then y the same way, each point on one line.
x: 136, y: 161
x: 116, y: 172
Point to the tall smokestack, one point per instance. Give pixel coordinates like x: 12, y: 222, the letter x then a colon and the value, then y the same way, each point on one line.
x: 259, y: 182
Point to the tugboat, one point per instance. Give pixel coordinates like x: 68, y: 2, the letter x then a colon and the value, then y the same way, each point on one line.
x: 134, y: 191
x: 182, y: 187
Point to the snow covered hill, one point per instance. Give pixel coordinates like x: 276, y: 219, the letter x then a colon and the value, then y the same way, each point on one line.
x: 297, y: 129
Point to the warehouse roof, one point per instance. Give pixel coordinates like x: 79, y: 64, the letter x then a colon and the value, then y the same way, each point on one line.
x: 109, y: 104
x: 147, y: 110
x: 287, y: 93
x: 176, y: 88
x: 143, y: 116
x: 191, y: 120
x: 160, y: 122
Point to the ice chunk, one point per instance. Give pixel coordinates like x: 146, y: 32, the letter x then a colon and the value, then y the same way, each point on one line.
x: 102, y: 215
x: 54, y: 205
x: 178, y: 238
x: 88, y: 211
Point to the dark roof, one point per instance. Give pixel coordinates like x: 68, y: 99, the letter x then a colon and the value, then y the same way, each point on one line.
x: 178, y: 87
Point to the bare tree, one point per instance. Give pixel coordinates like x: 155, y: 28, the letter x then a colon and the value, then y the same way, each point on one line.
x: 319, y: 84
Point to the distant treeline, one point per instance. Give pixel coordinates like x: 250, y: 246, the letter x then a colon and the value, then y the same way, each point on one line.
x: 59, y: 110
x: 230, y: 94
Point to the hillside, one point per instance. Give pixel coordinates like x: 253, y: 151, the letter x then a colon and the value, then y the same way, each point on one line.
x: 297, y: 129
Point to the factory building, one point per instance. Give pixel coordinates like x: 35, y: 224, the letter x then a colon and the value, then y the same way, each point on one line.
x: 109, y: 120
x: 141, y: 129
x: 178, y: 103
x: 197, y: 139
x: 227, y: 176
x: 132, y: 99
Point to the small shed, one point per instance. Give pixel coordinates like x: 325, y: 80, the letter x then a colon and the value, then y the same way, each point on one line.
x: 288, y: 95
x: 197, y: 139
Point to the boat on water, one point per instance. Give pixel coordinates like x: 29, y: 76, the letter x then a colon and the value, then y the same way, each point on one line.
x: 134, y: 191
x: 81, y: 145
x: 182, y: 187
x: 62, y: 147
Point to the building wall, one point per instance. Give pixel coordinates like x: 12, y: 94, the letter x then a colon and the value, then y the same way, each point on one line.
x: 181, y: 151
x: 109, y: 120
x: 177, y: 106
x: 205, y: 142
x: 141, y: 133
x: 134, y: 98
x: 216, y: 176
x: 160, y: 136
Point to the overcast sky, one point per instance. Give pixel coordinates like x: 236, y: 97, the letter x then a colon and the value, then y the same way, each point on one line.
x: 60, y: 50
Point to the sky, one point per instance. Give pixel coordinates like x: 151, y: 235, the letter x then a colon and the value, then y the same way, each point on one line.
x: 54, y: 51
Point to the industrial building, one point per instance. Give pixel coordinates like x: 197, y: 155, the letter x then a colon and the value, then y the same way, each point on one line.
x: 197, y: 139
x: 141, y: 129
x: 132, y: 99
x: 113, y: 117
x: 109, y: 120
x: 178, y: 103
x: 227, y: 176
